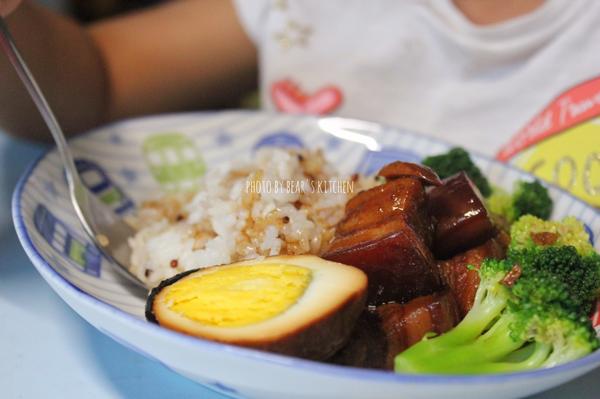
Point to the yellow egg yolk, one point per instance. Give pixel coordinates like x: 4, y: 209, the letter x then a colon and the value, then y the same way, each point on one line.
x: 238, y: 295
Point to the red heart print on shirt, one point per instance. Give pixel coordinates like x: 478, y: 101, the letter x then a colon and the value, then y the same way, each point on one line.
x: 288, y: 97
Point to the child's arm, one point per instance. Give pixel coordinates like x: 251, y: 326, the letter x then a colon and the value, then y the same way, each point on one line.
x: 182, y: 55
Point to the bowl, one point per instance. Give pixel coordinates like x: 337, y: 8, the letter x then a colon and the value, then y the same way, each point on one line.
x: 127, y: 162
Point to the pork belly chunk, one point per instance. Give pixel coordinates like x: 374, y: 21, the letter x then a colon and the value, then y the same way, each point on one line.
x: 386, y: 232
x: 459, y: 215
x: 389, y: 329
x: 459, y: 273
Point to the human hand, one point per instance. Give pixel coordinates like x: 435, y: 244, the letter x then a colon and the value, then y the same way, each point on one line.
x: 8, y: 6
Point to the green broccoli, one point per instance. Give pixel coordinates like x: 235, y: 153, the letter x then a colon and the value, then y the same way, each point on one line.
x: 579, y: 275
x: 528, y: 198
x: 500, y: 202
x: 530, y: 310
x: 457, y: 160
x: 530, y: 231
x: 531, y: 198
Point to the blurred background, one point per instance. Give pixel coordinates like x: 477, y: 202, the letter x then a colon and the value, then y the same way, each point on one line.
x: 91, y: 10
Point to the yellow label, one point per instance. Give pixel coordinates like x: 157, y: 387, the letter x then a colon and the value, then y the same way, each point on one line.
x: 238, y: 295
x: 570, y: 160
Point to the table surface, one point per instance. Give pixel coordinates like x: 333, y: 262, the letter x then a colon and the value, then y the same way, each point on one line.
x: 47, y: 350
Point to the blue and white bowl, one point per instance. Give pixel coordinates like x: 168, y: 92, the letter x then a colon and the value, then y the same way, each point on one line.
x: 123, y: 164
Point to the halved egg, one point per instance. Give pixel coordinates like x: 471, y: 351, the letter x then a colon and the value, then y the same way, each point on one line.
x: 301, y: 306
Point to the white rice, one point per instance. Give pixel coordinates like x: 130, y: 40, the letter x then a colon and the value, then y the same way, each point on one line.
x: 243, y: 210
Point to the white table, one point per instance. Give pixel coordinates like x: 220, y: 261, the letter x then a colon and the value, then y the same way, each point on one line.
x: 48, y: 351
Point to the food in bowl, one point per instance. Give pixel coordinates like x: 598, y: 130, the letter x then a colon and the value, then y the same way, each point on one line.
x: 280, y: 203
x: 295, y: 305
x: 387, y: 232
x: 452, y: 286
x: 531, y: 309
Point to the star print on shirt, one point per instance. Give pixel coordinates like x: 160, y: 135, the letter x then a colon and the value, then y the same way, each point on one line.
x: 280, y: 5
x: 294, y: 34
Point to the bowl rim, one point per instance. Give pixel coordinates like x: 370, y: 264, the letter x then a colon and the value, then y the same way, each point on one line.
x: 332, y: 370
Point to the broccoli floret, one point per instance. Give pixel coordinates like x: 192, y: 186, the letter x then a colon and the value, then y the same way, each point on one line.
x: 500, y: 202
x: 531, y: 198
x: 569, y: 335
x: 578, y: 277
x: 559, y: 337
x: 528, y: 198
x: 457, y: 160
x: 530, y: 231
x: 526, y: 314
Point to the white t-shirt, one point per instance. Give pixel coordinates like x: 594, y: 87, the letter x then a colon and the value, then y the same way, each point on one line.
x: 505, y: 89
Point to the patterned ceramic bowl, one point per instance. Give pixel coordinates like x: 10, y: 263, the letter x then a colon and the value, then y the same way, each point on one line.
x: 126, y: 162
